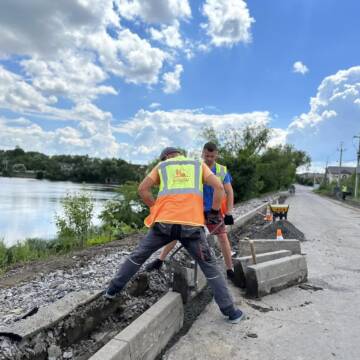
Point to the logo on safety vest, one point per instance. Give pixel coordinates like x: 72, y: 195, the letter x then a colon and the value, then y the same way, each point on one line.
x: 181, y: 176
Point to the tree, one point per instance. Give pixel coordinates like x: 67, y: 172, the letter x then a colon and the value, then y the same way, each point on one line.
x: 254, y: 166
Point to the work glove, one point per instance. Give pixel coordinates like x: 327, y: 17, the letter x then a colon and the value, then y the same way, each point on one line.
x: 213, y: 217
x: 228, y: 220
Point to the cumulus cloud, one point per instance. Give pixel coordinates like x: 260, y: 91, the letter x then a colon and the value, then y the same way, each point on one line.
x: 333, y: 117
x: 129, y: 56
x: 229, y: 22
x: 65, y: 140
x: 16, y: 94
x: 300, y: 68
x: 168, y: 35
x: 172, y: 80
x: 150, y: 131
x: 73, y: 75
x: 155, y: 11
x: 154, y: 105
x: 45, y: 27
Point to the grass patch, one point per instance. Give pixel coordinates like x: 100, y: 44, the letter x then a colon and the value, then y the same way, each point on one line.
x: 36, y: 249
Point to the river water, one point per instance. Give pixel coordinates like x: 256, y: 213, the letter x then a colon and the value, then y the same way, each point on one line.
x: 28, y: 206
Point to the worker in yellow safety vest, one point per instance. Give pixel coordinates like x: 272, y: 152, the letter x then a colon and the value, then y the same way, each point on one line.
x: 210, y: 155
x: 177, y: 214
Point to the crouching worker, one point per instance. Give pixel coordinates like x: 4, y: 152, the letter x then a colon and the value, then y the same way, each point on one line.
x: 178, y: 214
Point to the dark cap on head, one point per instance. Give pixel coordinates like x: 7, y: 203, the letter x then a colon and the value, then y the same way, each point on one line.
x: 167, y: 151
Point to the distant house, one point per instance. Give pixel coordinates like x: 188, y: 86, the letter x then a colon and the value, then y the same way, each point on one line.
x: 318, y: 177
x: 332, y: 173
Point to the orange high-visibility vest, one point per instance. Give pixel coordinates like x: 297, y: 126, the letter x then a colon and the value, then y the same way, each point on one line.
x: 180, y: 197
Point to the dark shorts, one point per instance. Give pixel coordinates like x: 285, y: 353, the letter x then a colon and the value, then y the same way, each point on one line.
x: 220, y: 230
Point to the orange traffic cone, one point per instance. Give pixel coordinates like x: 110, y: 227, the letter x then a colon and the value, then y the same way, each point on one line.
x: 268, y: 215
x: 279, y: 235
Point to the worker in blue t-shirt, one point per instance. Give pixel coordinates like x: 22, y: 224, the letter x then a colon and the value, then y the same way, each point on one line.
x: 210, y: 154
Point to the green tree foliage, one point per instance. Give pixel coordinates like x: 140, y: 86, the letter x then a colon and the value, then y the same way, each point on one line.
x: 125, y: 211
x: 71, y: 167
x: 75, y: 223
x: 255, y: 167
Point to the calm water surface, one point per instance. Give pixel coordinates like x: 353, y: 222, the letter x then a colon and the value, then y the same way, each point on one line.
x: 28, y: 206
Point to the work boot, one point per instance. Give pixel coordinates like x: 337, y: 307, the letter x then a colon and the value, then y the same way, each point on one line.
x: 154, y: 265
x: 236, y: 316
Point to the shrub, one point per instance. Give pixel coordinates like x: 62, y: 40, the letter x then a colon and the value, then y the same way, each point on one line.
x: 74, y: 225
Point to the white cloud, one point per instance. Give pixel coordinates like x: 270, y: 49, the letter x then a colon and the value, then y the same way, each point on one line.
x: 155, y: 11
x: 168, y: 35
x: 154, y: 105
x: 65, y: 140
x: 300, y: 68
x: 46, y: 28
x: 148, y: 132
x: 73, y: 75
x: 18, y: 95
x: 229, y: 22
x: 172, y: 80
x: 129, y: 56
x: 334, y: 116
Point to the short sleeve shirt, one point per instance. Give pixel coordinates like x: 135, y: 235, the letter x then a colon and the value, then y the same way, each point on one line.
x: 209, y: 191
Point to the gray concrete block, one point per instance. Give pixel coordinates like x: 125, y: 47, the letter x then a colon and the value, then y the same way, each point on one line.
x: 148, y: 335
x: 184, y: 281
x: 241, y: 264
x: 50, y: 315
x: 266, y: 245
x: 113, y: 350
x: 274, y: 275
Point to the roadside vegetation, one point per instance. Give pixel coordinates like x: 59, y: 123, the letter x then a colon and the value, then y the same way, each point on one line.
x: 255, y: 168
x: 334, y: 189
x: 121, y: 216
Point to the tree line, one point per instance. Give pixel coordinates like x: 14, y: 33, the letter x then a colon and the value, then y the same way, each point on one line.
x: 75, y: 168
x: 255, y: 166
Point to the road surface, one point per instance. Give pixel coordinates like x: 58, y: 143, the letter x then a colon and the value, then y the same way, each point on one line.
x: 320, y: 323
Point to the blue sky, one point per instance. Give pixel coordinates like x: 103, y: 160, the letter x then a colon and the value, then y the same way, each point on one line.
x: 125, y: 78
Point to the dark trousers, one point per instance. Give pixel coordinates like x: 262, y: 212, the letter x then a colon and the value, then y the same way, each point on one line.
x: 194, y: 241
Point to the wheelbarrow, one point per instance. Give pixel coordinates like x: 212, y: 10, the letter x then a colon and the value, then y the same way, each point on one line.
x: 279, y: 211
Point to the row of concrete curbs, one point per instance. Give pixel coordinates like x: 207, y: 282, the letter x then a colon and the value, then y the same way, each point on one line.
x: 264, y: 266
x: 277, y: 264
x: 148, y: 335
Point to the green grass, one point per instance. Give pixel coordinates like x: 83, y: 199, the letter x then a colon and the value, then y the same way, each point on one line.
x: 36, y: 249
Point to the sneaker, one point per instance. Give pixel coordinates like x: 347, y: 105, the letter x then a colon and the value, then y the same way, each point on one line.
x: 110, y: 293
x: 154, y: 265
x: 236, y: 316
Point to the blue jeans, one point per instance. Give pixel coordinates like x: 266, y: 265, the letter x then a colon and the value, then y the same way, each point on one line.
x: 194, y: 241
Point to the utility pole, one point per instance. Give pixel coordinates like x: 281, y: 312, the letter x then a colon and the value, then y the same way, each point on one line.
x: 357, y: 169
x: 340, y: 162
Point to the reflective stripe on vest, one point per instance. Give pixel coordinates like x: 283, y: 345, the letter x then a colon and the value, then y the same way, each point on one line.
x: 221, y: 171
x: 180, y: 176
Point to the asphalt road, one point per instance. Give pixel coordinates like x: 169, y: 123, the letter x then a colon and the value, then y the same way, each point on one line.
x: 320, y: 323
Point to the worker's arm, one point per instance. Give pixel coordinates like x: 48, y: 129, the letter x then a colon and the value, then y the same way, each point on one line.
x: 218, y: 187
x: 144, y: 191
x: 229, y: 197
